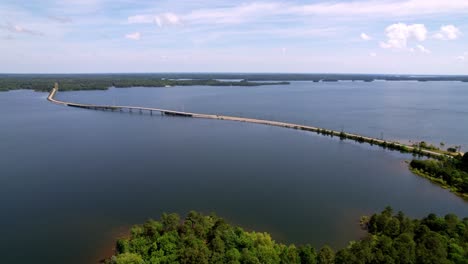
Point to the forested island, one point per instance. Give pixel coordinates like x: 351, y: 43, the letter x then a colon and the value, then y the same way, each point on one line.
x: 74, y: 82
x: 198, y: 238
x: 451, y: 173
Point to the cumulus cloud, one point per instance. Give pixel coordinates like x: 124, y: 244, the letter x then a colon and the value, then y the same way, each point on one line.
x: 448, y: 32
x: 365, y: 37
x: 423, y: 49
x: 133, y: 36
x: 399, y: 34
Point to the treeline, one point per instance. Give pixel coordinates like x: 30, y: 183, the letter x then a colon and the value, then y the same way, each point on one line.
x: 43, y: 82
x: 209, y: 239
x: 103, y: 82
x: 449, y: 172
x: 416, y: 150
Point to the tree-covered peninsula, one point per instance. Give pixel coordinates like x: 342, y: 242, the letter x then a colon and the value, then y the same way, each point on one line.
x: 104, y: 81
x: 451, y: 173
x: 392, y: 238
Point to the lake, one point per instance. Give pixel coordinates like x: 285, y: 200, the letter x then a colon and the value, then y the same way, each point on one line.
x: 72, y: 180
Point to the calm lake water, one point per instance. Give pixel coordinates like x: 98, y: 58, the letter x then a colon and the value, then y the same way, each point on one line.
x: 72, y: 179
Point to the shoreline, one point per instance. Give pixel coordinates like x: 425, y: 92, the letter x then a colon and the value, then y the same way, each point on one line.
x: 438, y: 182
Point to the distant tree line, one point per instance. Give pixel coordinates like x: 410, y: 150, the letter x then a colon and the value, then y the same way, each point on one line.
x: 43, y: 82
x: 209, y: 239
x: 103, y: 82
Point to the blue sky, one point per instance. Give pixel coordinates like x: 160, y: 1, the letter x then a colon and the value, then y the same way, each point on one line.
x: 361, y: 36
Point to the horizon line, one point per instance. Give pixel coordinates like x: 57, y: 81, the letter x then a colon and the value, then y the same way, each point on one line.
x: 239, y: 73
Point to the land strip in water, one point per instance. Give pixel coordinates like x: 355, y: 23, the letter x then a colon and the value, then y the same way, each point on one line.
x: 417, y: 150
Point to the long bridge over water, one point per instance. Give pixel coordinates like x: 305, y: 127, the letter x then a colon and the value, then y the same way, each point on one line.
x: 341, y: 134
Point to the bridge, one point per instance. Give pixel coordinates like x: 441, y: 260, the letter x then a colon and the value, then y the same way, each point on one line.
x: 341, y: 134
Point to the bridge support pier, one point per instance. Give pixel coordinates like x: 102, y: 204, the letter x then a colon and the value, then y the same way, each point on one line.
x: 151, y: 112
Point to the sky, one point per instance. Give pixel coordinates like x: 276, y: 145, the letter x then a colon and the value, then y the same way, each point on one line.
x: 360, y: 36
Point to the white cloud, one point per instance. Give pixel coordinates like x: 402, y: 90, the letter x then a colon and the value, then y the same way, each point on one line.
x: 283, y: 11
x: 237, y: 14
x: 365, y: 37
x: 385, y: 8
x: 373, y: 54
x: 133, y: 36
x: 462, y: 57
x: 399, y: 34
x: 160, y: 19
x: 226, y: 15
x: 423, y: 49
x: 448, y: 32
x: 170, y: 18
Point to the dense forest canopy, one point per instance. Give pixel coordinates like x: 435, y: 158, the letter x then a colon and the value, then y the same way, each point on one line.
x: 392, y: 238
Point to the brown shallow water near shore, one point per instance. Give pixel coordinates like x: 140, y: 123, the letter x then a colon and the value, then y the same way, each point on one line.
x: 107, y: 247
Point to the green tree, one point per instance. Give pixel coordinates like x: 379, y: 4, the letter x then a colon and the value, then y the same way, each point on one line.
x: 170, y: 222
x: 308, y: 255
x: 208, y: 239
x: 127, y: 258
x: 326, y: 255
x: 194, y: 250
x: 431, y: 249
x: 405, y: 248
x: 289, y: 255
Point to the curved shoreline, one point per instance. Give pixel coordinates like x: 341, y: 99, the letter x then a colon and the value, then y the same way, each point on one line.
x: 341, y: 134
x: 438, y: 182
